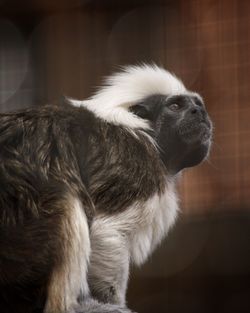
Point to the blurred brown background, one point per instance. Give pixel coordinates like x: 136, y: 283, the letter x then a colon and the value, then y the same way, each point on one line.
x: 50, y: 48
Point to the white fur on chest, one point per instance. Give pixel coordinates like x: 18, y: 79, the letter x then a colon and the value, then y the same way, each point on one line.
x: 159, y: 215
x: 143, y: 225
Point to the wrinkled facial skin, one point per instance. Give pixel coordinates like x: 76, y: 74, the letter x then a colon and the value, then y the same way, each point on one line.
x: 182, y: 128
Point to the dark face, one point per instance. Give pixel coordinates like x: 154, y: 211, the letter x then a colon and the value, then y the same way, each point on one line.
x: 182, y: 128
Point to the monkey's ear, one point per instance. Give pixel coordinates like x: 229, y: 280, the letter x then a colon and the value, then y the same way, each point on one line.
x: 141, y: 110
x: 150, y: 108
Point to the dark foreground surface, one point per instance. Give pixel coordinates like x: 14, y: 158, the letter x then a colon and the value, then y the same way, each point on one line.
x: 202, y: 267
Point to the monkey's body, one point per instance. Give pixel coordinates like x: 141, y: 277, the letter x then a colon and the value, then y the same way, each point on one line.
x: 40, y: 172
x: 81, y: 197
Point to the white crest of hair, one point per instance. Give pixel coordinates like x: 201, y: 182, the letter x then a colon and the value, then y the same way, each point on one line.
x: 143, y: 231
x: 123, y: 89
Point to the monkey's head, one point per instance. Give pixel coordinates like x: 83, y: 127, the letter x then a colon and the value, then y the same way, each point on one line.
x: 181, y: 127
x: 150, y: 98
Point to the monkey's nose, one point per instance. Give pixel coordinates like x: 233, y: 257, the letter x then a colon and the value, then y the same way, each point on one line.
x: 193, y: 110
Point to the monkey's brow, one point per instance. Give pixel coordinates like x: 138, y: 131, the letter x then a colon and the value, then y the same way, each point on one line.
x: 178, y: 98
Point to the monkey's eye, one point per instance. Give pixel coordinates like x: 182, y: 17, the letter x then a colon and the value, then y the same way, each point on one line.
x: 199, y: 103
x: 174, y: 107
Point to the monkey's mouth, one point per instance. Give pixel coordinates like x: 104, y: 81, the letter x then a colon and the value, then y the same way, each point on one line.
x: 196, y: 132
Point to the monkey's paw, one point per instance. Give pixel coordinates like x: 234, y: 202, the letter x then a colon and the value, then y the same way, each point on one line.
x: 93, y: 306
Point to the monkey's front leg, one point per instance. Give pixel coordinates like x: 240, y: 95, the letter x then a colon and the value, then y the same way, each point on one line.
x: 109, y: 263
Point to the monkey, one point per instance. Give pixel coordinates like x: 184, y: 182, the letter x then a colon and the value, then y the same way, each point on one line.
x: 88, y: 187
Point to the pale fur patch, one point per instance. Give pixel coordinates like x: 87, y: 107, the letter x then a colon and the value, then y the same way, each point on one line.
x: 123, y: 89
x: 160, y: 215
x: 69, y: 280
x: 143, y: 225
